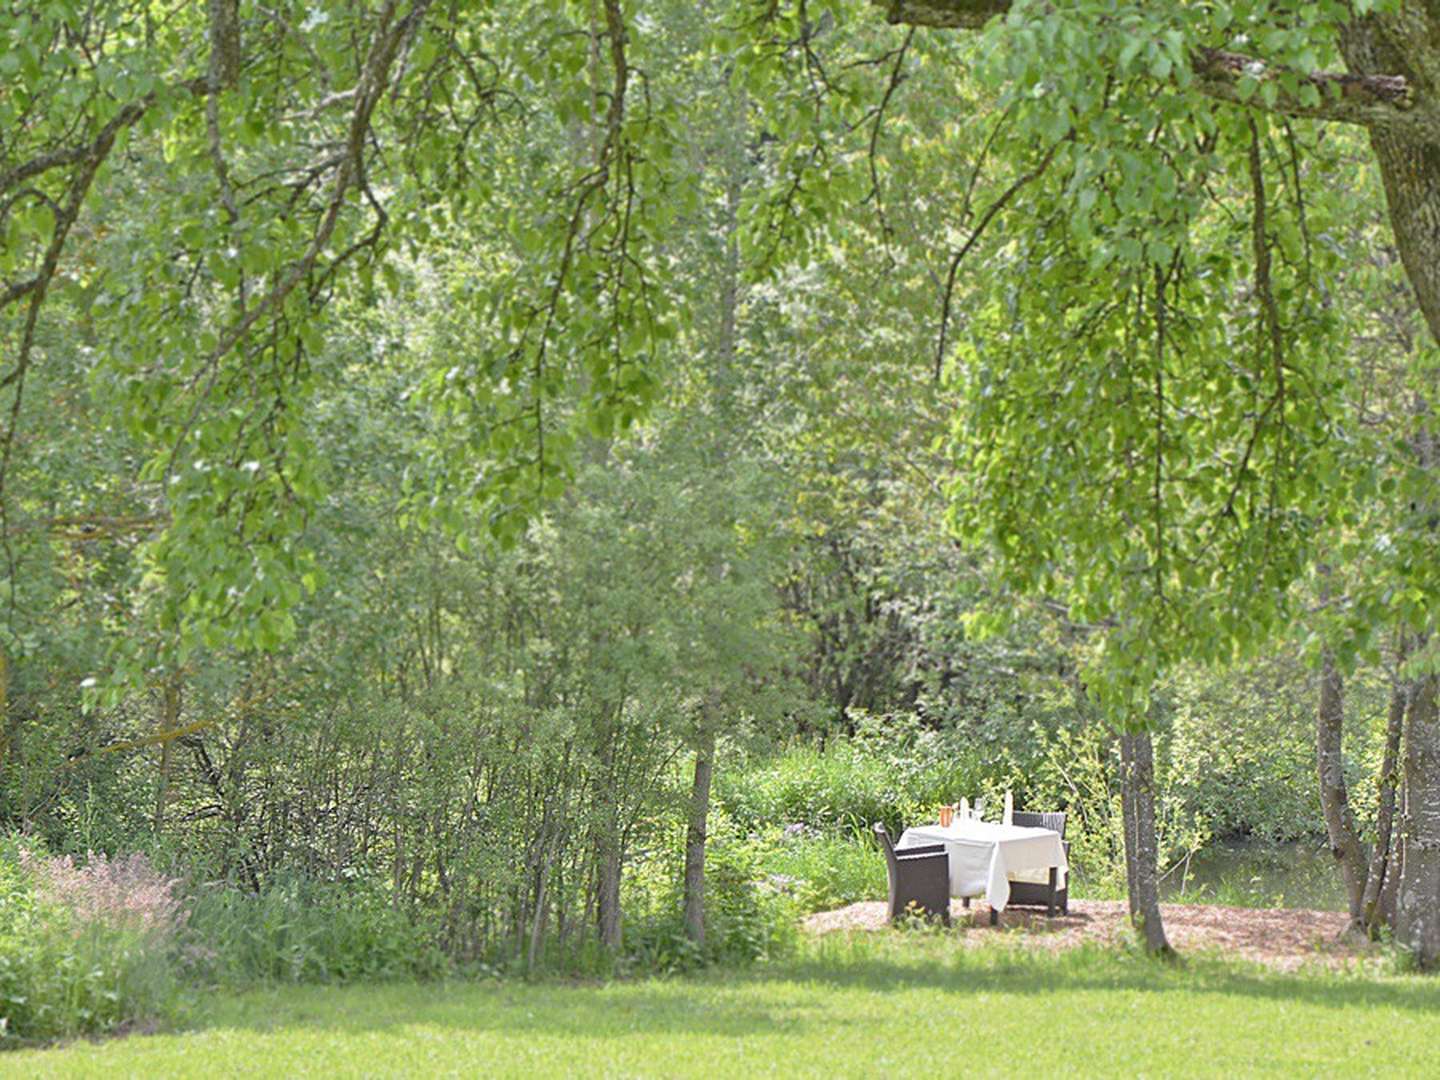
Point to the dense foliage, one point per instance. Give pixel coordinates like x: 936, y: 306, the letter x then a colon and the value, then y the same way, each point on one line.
x: 436, y: 435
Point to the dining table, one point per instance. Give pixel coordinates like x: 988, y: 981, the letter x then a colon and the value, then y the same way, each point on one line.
x: 985, y: 855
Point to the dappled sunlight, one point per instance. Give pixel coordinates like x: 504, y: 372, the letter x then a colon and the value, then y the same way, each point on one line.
x: 1282, y: 939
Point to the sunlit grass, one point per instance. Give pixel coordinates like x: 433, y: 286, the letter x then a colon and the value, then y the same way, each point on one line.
x: 907, y: 1003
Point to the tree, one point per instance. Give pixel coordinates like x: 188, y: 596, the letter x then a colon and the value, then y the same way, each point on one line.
x: 213, y: 188
x: 1266, y: 59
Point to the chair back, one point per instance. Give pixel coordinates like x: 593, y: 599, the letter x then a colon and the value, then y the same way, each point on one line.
x: 1054, y: 821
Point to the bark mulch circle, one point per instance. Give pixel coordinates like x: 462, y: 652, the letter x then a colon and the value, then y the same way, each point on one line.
x: 1280, y: 938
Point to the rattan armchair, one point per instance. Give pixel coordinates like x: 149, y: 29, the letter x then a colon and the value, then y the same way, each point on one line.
x: 1051, y: 895
x: 919, y: 877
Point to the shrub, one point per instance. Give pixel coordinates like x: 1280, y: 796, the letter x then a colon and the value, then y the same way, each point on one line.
x: 298, y: 931
x: 820, y: 870
x: 839, y: 789
x: 748, y: 918
x: 84, y: 949
x: 127, y: 893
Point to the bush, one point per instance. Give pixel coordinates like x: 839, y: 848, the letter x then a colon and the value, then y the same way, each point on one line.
x: 821, y: 870
x: 748, y: 918
x: 842, y: 788
x: 84, y: 950
x: 305, y: 931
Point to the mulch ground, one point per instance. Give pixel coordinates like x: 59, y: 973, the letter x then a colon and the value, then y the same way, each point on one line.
x: 1281, y: 938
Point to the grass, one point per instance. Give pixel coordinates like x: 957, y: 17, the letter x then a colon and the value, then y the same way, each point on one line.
x: 903, y: 1003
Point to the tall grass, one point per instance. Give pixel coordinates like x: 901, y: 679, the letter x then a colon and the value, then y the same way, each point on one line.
x: 84, y: 949
x: 845, y: 787
x: 298, y: 931
x: 821, y: 870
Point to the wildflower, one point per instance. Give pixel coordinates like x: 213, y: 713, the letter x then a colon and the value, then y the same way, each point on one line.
x: 126, y: 893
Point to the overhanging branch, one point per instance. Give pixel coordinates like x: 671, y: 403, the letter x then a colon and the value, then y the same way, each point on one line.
x: 1372, y: 101
x: 943, y: 14
x: 1368, y: 100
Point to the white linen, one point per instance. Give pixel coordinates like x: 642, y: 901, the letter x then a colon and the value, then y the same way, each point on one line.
x: 985, y: 856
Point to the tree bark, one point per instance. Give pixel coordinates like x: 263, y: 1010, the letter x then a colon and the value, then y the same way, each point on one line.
x: 537, y: 924
x: 1137, y: 755
x: 1406, y: 43
x: 1129, y: 817
x: 1372, y: 908
x: 1417, y: 913
x: 609, y: 894
x: 4, y: 727
x: 1345, y: 844
x: 696, y: 833
x: 168, y: 720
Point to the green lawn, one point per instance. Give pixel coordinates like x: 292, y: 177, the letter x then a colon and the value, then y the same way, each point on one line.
x: 910, y: 1005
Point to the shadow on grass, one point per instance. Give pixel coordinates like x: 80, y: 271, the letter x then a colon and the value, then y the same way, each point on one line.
x: 1014, y: 971
x: 798, y: 997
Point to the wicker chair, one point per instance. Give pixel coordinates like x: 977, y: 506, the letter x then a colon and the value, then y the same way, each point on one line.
x: 1033, y: 893
x: 919, y: 876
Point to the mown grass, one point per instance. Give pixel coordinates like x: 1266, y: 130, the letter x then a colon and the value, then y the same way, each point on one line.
x: 903, y: 1003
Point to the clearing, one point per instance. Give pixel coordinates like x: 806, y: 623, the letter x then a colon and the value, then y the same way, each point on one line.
x: 1282, y: 938
x: 921, y: 1003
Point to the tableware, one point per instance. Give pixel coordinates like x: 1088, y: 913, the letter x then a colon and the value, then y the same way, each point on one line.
x: 947, y: 815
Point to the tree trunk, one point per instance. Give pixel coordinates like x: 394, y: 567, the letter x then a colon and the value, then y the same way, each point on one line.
x: 696, y: 833
x: 537, y: 925
x: 1128, y: 819
x: 737, y: 166
x: 1137, y: 756
x: 609, y: 894
x: 1375, y: 879
x: 4, y: 729
x: 168, y: 720
x: 1409, y: 167
x: 1417, y: 914
x: 1334, y: 799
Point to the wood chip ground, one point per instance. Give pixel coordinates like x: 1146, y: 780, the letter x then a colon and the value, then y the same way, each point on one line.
x: 1281, y: 938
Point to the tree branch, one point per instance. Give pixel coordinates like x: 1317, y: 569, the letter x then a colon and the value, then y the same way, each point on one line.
x: 1367, y: 100
x: 1372, y: 101
x: 944, y: 14
x: 375, y: 75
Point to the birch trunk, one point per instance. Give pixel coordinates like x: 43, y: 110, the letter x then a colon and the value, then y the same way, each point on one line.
x: 696, y: 834
x: 1142, y: 849
x: 1417, y: 914
x: 1345, y: 844
x: 1380, y: 858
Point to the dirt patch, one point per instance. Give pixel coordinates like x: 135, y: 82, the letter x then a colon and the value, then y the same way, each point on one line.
x: 1281, y: 938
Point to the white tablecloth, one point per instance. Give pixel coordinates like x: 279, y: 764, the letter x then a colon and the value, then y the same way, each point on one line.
x: 984, y: 856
